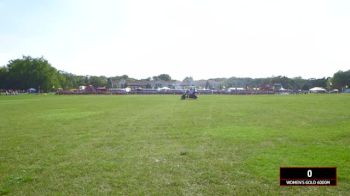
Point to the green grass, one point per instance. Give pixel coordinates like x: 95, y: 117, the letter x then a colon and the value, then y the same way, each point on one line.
x: 160, y: 145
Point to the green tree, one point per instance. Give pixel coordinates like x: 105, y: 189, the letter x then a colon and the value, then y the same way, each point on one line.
x: 188, y: 79
x: 341, y: 79
x: 98, y: 81
x: 164, y: 77
x: 329, y: 83
x: 207, y: 85
x: 3, y: 77
x: 299, y: 82
x: 31, y: 72
x: 321, y: 82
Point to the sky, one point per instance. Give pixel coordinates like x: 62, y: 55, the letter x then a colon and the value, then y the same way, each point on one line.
x: 199, y: 38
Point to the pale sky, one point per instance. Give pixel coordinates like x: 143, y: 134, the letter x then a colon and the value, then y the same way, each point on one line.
x: 203, y: 38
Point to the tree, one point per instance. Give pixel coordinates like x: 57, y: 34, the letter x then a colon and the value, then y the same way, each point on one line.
x: 98, y: 81
x: 146, y: 79
x: 329, y: 83
x: 164, y: 77
x: 207, y: 85
x: 306, y: 86
x: 155, y: 78
x: 3, y: 77
x: 31, y: 72
x: 188, y: 79
x: 341, y: 79
x: 299, y: 83
x: 321, y: 82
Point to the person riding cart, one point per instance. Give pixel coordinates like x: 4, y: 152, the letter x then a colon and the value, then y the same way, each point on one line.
x: 189, y: 94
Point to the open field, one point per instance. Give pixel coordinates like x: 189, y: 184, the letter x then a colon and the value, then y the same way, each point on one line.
x: 73, y: 145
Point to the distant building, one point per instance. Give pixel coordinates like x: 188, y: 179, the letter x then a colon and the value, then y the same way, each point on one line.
x: 154, y: 84
x: 234, y: 89
x: 266, y: 87
x: 101, y: 89
x: 160, y: 84
x: 138, y: 85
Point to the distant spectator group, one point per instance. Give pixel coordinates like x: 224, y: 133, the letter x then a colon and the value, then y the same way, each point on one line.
x: 11, y: 92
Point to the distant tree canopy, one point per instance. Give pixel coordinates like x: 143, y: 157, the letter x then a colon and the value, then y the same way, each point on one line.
x: 188, y: 79
x: 3, y: 77
x: 163, y: 77
x: 288, y: 83
x: 28, y: 73
x: 341, y: 79
x: 38, y: 73
x: 69, y: 80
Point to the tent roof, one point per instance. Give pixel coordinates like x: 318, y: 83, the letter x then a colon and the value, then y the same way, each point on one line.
x: 165, y: 88
x: 317, y: 89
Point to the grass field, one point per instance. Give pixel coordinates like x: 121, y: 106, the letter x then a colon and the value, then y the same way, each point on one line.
x: 160, y: 145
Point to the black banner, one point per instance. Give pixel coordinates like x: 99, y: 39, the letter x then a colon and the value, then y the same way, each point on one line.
x: 308, y: 176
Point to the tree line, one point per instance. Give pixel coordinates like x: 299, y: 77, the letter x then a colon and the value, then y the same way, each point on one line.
x: 38, y: 73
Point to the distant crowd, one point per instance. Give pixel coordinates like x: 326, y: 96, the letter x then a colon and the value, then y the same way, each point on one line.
x: 176, y: 92
x: 11, y: 92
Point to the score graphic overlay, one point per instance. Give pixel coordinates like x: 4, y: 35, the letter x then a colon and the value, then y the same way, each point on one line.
x: 308, y: 176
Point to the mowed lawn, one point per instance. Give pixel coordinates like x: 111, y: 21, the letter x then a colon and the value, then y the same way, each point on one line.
x: 160, y: 145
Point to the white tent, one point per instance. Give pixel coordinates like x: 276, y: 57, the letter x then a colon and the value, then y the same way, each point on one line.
x: 334, y: 91
x: 235, y: 89
x: 127, y: 89
x: 163, y: 89
x: 317, y: 90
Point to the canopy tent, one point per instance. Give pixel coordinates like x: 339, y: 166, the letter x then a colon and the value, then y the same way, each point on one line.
x: 235, y: 89
x: 317, y: 90
x: 163, y: 89
x: 334, y: 91
x: 32, y: 90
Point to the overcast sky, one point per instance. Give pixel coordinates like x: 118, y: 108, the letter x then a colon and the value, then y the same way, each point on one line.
x: 203, y: 39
